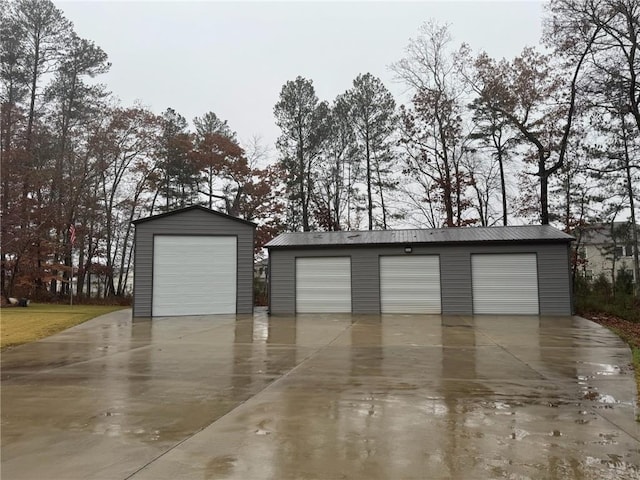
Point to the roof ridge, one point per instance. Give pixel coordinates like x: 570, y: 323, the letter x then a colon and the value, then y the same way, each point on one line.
x: 189, y: 208
x: 493, y: 227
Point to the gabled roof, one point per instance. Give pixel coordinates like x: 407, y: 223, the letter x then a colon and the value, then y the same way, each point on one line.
x: 193, y: 207
x: 528, y: 233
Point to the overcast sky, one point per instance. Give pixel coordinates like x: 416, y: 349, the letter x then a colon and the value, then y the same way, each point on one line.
x: 232, y: 58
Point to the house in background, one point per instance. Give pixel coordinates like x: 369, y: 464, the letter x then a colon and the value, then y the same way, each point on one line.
x: 260, y: 270
x: 606, y: 249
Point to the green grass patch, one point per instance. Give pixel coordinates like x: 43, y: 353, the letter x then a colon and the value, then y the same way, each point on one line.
x: 635, y: 351
x: 23, y: 325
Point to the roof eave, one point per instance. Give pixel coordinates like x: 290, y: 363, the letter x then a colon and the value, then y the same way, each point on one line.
x: 413, y: 243
x: 192, y: 207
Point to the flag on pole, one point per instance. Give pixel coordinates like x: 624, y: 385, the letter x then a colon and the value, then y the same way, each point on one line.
x: 72, y: 234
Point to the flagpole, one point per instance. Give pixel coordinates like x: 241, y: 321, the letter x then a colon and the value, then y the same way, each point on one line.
x: 71, y: 279
x: 72, y: 240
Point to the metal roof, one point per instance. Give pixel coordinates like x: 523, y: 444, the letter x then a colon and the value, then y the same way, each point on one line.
x: 525, y: 233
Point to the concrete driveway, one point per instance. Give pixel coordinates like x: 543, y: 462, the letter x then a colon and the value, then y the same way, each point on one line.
x: 321, y: 397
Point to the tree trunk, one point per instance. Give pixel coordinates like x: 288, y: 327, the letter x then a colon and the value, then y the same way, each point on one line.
x: 382, y: 204
x: 34, y: 84
x: 567, y: 201
x: 210, y: 182
x: 544, y: 189
x: 302, y: 172
x: 6, y: 153
x: 481, y: 210
x: 458, y: 194
x: 369, y: 197
x: 307, y: 198
x: 613, y: 258
x: 81, y: 271
x: 503, y: 189
x: 634, y: 227
x: 123, y: 259
x: 448, y: 191
x: 349, y: 196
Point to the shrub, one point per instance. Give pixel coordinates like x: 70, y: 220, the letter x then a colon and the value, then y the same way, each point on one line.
x: 602, y: 286
x: 624, y: 282
x: 260, y: 292
x: 581, y: 286
x: 597, y: 297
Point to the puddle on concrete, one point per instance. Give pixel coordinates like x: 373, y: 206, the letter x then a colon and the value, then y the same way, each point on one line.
x: 323, y: 396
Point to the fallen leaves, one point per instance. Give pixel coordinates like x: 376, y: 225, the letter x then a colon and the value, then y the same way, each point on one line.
x: 629, y: 331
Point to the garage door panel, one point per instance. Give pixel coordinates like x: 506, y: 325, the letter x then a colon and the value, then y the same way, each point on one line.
x: 410, y: 284
x: 323, y: 285
x: 194, y: 275
x: 505, y: 284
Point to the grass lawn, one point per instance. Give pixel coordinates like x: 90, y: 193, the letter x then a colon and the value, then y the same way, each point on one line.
x: 23, y: 325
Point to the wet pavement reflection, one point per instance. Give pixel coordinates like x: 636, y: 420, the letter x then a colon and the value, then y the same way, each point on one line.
x: 321, y: 397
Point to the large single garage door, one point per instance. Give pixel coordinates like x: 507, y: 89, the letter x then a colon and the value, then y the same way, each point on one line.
x: 194, y: 275
x: 505, y: 283
x: 410, y: 284
x: 323, y: 285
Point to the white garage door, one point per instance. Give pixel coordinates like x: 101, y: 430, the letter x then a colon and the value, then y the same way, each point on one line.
x: 505, y: 284
x: 410, y: 284
x: 194, y: 275
x: 323, y: 285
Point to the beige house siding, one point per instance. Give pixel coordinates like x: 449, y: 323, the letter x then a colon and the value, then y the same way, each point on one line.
x: 599, y: 260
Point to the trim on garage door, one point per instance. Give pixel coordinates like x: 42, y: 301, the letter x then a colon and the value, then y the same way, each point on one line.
x: 323, y: 284
x: 410, y: 284
x: 505, y: 283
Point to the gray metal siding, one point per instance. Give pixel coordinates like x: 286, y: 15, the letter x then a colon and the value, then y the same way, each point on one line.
x: 282, y: 283
x: 455, y: 275
x: 554, y: 281
x: 365, y: 276
x: 365, y: 281
x: 191, y: 222
x: 455, y: 281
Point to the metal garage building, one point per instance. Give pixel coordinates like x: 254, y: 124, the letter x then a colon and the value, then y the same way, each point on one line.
x: 492, y: 270
x: 193, y: 261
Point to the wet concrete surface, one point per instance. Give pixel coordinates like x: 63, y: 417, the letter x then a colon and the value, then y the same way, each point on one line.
x: 321, y: 397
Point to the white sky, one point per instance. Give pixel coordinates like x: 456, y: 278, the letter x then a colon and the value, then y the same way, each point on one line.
x: 232, y: 58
